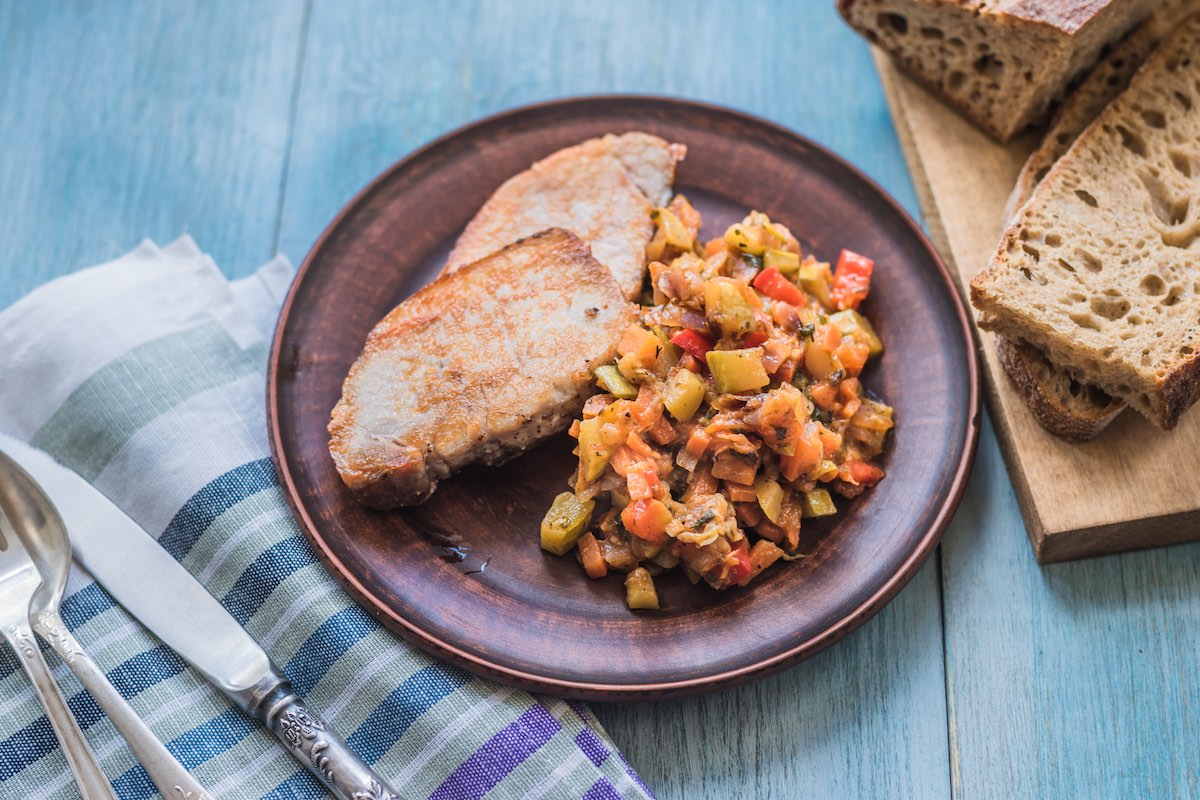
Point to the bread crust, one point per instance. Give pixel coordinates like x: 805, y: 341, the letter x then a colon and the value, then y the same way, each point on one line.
x: 1080, y: 422
x: 1162, y: 380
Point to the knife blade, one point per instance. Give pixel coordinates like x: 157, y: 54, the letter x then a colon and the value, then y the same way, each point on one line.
x: 175, y: 607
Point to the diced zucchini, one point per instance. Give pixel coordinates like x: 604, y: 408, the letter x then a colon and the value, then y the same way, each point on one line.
x: 817, y: 503
x: 737, y: 370
x: 816, y: 278
x: 670, y: 233
x: 746, y: 238
x: 727, y: 308
x: 770, y: 497
x: 782, y: 260
x: 855, y: 324
x: 639, y: 590
x: 683, y: 394
x: 819, y: 362
x: 594, y: 452
x: 565, y: 521
x: 611, y: 380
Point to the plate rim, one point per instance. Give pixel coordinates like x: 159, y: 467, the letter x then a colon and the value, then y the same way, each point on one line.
x: 591, y: 690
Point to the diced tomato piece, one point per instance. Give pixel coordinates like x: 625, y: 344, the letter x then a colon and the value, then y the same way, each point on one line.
x: 805, y: 459
x: 692, y: 342
x: 740, y: 568
x: 851, y: 279
x: 647, y: 519
x: 642, y: 481
x: 774, y: 285
x: 622, y: 461
x: 853, y: 355
x: 753, y: 339
x: 862, y: 473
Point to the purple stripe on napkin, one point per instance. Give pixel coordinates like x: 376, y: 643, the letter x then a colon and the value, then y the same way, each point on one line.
x: 499, y: 756
x: 591, y: 746
x: 602, y: 790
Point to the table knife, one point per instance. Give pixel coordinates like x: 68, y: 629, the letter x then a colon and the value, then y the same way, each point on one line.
x: 175, y: 607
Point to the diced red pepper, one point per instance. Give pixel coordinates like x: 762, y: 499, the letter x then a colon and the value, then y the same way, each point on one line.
x: 741, y: 568
x: 851, y: 280
x: 692, y: 342
x: 772, y: 283
x: 753, y: 339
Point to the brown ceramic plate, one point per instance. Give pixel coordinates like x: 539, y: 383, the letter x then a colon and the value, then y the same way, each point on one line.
x: 463, y: 576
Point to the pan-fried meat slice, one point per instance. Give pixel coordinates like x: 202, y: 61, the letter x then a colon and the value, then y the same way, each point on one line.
x: 477, y: 366
x: 603, y: 190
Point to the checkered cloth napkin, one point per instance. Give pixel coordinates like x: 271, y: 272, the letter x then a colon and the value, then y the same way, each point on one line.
x: 146, y: 376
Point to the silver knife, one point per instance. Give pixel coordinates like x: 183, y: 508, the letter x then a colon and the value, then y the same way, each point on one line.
x: 175, y: 607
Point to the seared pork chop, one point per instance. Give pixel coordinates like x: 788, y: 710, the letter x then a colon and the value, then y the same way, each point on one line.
x: 603, y: 190
x: 477, y: 366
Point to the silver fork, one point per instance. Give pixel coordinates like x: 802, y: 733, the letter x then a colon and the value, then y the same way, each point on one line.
x: 19, y: 581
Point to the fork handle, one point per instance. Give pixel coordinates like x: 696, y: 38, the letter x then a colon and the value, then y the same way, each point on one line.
x: 173, y: 781
x: 93, y: 784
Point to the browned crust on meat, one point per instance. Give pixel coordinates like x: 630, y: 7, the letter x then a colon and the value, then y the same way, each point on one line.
x: 476, y: 367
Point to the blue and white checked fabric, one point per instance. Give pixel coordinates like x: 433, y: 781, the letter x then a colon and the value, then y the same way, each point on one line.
x: 146, y: 376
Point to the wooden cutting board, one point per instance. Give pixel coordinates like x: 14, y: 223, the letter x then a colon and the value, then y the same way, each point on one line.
x: 1133, y: 486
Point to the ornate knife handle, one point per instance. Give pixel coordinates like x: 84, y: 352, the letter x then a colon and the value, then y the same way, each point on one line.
x: 312, y: 742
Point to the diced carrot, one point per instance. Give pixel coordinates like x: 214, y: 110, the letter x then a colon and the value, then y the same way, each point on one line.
x: 769, y: 530
x: 638, y: 445
x: 641, y: 344
x: 852, y: 355
x: 850, y: 408
x: 714, y: 246
x: 592, y: 558
x: 848, y: 389
x: 749, y: 514
x: 830, y: 440
x: 861, y: 473
x: 647, y: 519
x: 762, y: 555
x: 703, y: 482
x: 648, y: 407
x: 829, y: 337
x: 804, y: 460
x: 662, y: 432
x: 697, y: 443
x: 737, y: 493
x: 823, y: 394
x: 573, y: 431
x: 622, y: 461
x: 642, y: 481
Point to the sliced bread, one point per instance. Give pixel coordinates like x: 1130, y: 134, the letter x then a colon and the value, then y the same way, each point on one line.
x: 1003, y: 63
x: 1063, y: 405
x: 1098, y: 268
x: 1109, y: 78
x: 477, y: 366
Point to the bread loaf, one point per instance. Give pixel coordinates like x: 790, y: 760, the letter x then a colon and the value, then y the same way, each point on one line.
x: 1099, y: 268
x: 1003, y: 63
x: 1109, y: 78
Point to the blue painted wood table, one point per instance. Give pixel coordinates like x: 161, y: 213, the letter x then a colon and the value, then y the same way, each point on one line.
x: 248, y: 125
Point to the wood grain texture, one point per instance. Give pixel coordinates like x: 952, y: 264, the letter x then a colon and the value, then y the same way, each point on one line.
x: 1119, y: 491
x: 121, y: 121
